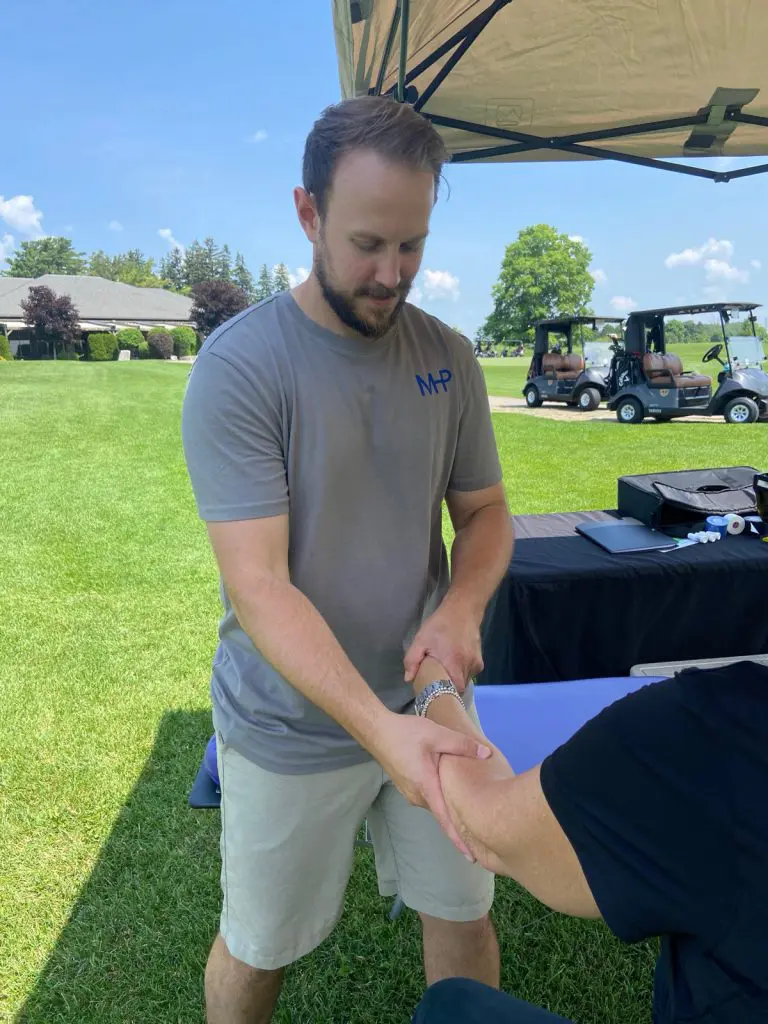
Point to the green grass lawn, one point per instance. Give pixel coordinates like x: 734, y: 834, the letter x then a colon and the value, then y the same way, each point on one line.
x: 108, y: 598
x: 505, y: 377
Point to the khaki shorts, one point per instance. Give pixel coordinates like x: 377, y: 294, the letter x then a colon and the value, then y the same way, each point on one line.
x: 287, y: 843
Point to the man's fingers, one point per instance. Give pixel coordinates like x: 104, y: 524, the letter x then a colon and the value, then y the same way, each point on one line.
x: 433, y: 794
x: 413, y: 659
x: 452, y: 742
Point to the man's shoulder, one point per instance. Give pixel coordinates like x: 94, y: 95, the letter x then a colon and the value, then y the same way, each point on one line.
x: 428, y: 328
x: 248, y: 334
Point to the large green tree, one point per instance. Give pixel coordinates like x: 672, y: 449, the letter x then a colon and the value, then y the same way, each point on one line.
x: 131, y: 267
x: 53, y: 255
x: 265, y: 286
x: 242, y: 277
x: 172, y: 269
x: 281, y: 279
x: 543, y: 274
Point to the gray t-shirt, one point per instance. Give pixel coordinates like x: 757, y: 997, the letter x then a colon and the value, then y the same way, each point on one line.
x: 357, y: 441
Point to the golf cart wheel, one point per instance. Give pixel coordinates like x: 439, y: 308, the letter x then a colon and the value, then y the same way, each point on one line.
x: 741, y: 410
x: 533, y: 397
x: 588, y: 400
x: 629, y: 410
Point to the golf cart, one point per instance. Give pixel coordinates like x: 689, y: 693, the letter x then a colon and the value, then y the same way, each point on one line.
x: 557, y: 376
x: 742, y: 393
x: 646, y: 380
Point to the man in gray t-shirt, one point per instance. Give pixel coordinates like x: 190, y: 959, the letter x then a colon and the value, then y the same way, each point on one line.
x: 322, y: 430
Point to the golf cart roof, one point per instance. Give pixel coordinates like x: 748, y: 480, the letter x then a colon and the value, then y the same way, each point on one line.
x: 562, y: 323
x: 707, y: 307
x: 567, y: 80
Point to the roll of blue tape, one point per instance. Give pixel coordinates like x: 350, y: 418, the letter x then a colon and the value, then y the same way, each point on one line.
x: 717, y: 524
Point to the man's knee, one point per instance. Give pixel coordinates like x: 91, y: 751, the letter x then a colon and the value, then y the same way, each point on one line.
x: 470, y: 929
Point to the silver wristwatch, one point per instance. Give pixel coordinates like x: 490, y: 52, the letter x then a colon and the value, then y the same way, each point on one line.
x: 428, y: 694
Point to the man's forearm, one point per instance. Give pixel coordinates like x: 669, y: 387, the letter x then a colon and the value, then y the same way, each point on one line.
x: 471, y: 788
x: 480, y: 556
x: 292, y: 635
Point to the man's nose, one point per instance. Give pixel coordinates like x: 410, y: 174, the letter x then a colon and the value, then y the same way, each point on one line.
x: 388, y: 270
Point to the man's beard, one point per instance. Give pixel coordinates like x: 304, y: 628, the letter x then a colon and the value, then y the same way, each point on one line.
x: 343, y: 305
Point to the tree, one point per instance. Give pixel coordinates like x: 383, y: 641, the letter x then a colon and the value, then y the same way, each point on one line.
x: 242, y: 277
x: 131, y: 267
x: 215, y: 302
x: 210, y: 259
x: 265, y: 287
x: 281, y: 279
x: 224, y: 265
x: 172, y: 269
x: 54, y: 318
x: 543, y: 274
x: 195, y: 268
x: 52, y: 255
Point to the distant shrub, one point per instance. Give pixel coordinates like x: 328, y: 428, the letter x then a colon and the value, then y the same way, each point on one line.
x: 71, y: 356
x: 160, y: 344
x: 184, y: 341
x: 142, y: 349
x: 102, y: 347
x: 130, y: 338
x: 5, y: 347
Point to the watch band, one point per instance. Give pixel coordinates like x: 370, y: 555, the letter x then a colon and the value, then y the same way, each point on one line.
x: 436, y: 689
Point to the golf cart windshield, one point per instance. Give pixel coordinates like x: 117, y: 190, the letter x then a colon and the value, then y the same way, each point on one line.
x: 745, y: 351
x: 598, y: 353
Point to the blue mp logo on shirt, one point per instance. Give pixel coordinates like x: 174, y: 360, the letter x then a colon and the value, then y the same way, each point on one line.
x: 431, y: 384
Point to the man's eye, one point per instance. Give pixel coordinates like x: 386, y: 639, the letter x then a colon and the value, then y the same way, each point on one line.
x: 410, y: 247
x: 367, y: 246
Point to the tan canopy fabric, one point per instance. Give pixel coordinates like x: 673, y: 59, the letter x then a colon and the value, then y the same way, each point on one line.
x: 555, y: 69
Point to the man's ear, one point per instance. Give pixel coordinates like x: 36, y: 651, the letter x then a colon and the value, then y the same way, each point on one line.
x: 307, y: 213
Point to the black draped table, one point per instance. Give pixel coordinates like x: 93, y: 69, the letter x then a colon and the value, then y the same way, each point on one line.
x: 567, y: 609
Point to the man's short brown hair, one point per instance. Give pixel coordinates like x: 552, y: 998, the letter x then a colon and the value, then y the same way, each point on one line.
x: 379, y: 123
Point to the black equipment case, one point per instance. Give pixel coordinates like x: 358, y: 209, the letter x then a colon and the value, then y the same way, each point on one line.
x: 688, y: 496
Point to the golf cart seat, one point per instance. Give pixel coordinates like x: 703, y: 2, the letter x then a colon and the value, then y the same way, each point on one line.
x: 666, y: 371
x: 562, y: 367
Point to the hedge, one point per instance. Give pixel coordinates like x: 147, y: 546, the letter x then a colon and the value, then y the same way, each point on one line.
x: 5, y: 347
x: 102, y: 347
x: 160, y: 344
x: 130, y: 338
x: 184, y: 341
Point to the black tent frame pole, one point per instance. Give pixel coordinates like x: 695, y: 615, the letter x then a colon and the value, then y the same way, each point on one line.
x: 522, y: 142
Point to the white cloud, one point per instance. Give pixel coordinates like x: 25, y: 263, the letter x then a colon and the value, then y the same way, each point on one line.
x: 115, y: 225
x: 599, y: 276
x: 259, y: 136
x: 576, y: 238
x: 301, y: 275
x: 692, y: 257
x: 756, y: 264
x: 167, y: 234
x: 7, y: 245
x: 415, y: 295
x: 20, y: 213
x: 721, y: 270
x: 623, y: 303
x: 441, y: 284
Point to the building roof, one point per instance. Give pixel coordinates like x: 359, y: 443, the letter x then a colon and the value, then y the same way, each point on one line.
x: 98, y: 299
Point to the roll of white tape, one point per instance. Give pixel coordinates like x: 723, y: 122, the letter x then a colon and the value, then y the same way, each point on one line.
x: 736, y: 524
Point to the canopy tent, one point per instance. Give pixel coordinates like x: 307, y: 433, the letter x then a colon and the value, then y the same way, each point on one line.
x: 640, y: 81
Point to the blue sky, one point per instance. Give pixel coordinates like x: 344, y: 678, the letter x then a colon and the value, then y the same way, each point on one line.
x: 132, y: 118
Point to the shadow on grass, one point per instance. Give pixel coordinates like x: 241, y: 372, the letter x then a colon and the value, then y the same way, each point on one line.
x: 135, y: 945
x: 134, y: 948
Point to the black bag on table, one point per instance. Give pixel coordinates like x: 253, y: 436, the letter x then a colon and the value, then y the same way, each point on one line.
x: 686, y: 497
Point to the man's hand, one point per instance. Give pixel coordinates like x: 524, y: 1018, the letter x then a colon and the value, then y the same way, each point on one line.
x: 451, y: 636
x: 409, y: 750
